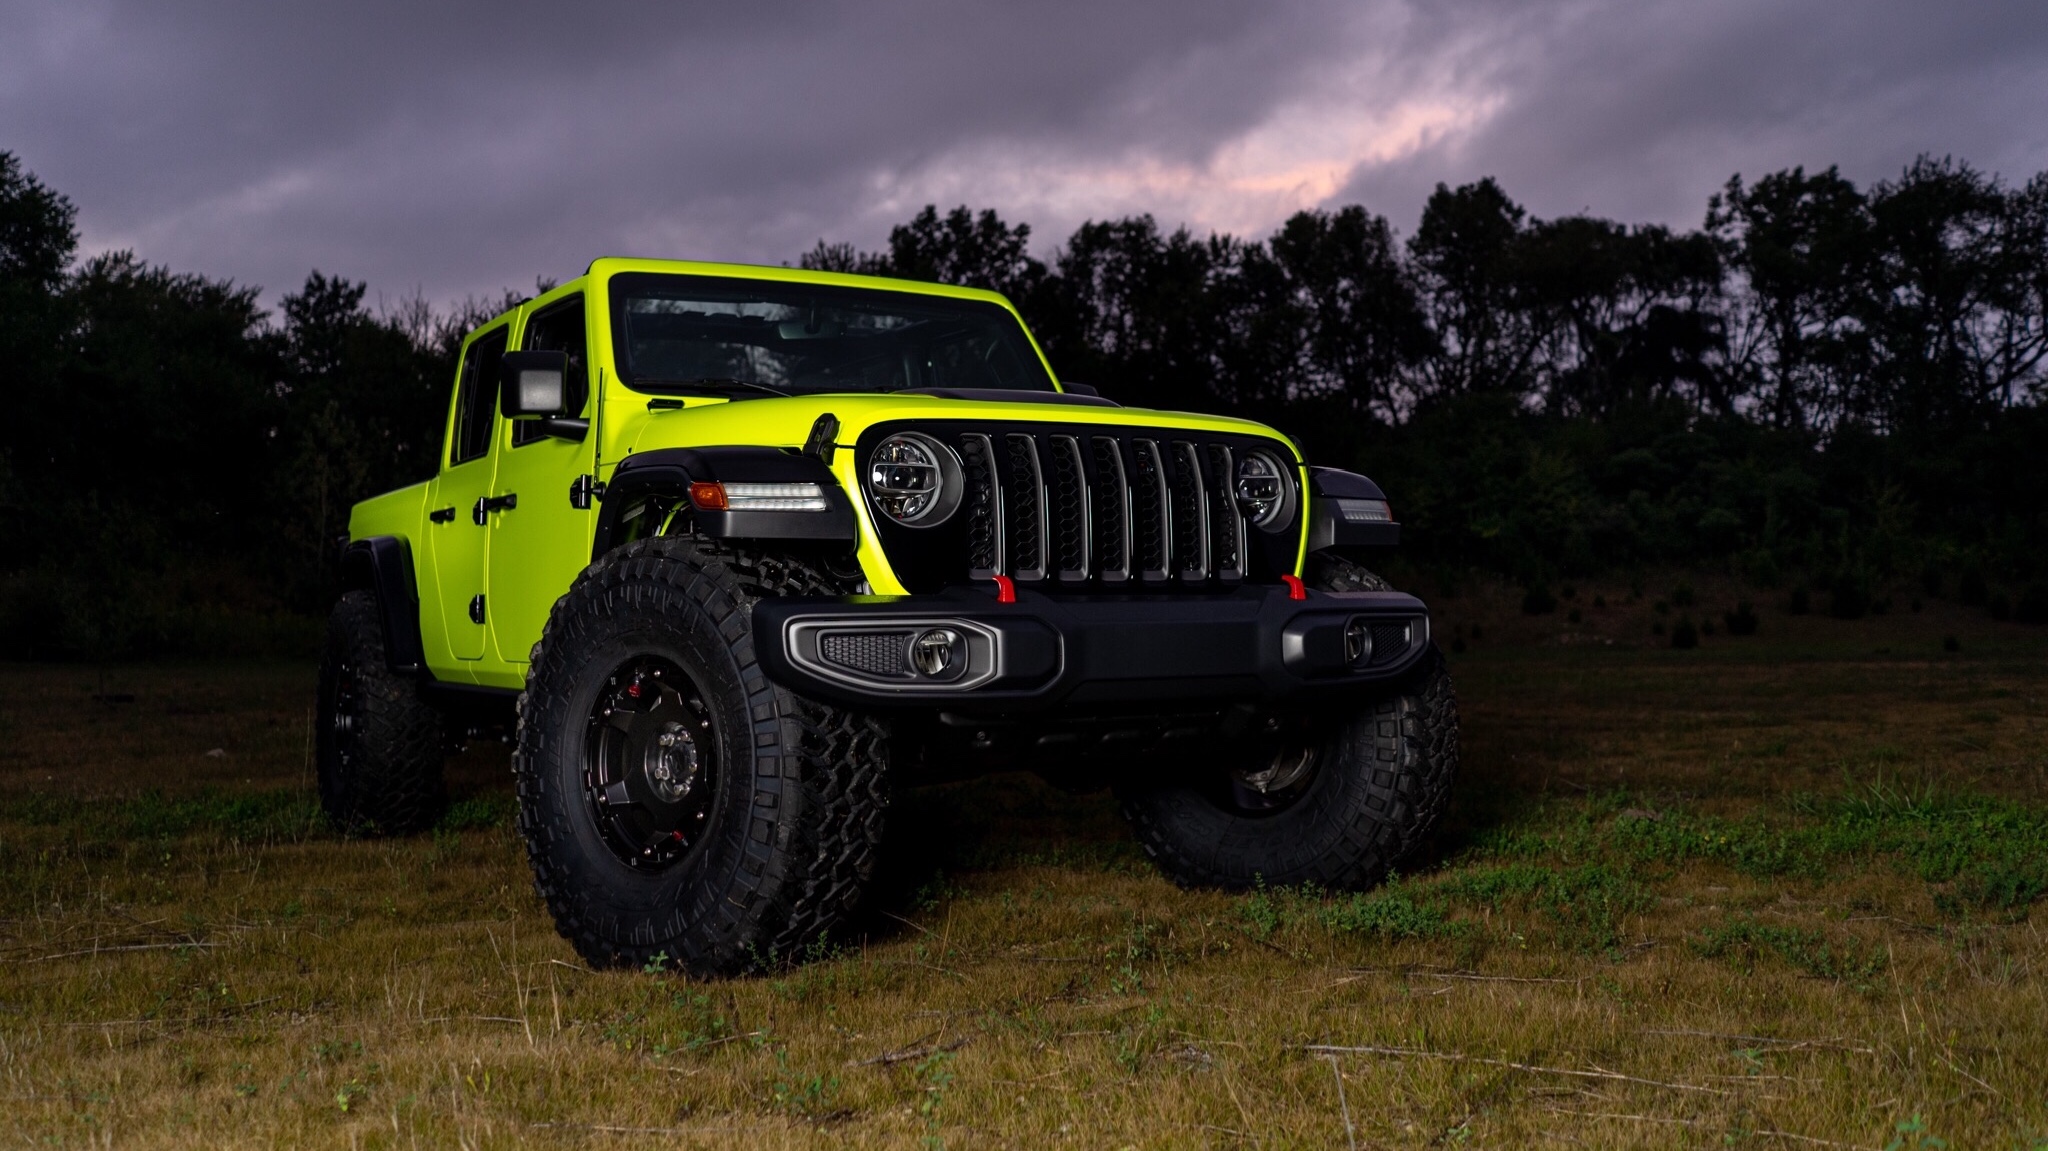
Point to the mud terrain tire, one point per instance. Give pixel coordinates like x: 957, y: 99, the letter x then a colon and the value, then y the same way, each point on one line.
x: 1379, y: 785
x: 778, y: 825
x: 377, y: 744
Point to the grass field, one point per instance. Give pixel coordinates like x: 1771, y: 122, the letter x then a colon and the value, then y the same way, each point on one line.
x: 1779, y: 891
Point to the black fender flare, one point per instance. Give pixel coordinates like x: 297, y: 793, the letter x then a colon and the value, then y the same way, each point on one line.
x: 383, y: 565
x: 1329, y: 531
x: 666, y: 474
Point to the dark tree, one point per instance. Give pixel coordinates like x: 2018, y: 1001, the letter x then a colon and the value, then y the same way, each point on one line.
x: 363, y: 409
x: 1363, y: 334
x: 1799, y: 245
x: 1954, y: 307
x: 1466, y: 253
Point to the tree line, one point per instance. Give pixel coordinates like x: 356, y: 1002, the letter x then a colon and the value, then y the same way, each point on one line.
x: 1821, y: 383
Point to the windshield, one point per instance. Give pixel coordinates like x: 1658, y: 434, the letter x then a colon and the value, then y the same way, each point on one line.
x: 677, y: 333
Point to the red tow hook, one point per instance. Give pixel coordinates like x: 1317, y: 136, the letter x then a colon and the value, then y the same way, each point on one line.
x: 1295, y: 588
x: 1006, y: 589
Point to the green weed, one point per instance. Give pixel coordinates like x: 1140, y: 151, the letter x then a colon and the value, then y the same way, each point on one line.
x: 1261, y: 912
x: 479, y: 813
x: 1585, y: 904
x: 799, y: 1094
x: 1390, y: 914
x: 668, y: 1021
x: 933, y: 1075
x: 1745, y: 940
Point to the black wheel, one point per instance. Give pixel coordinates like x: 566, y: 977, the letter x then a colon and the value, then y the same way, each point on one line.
x: 674, y: 801
x: 1336, y: 805
x: 377, y: 744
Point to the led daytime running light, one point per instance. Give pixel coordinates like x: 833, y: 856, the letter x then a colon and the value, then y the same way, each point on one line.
x: 1365, y: 511
x: 755, y: 497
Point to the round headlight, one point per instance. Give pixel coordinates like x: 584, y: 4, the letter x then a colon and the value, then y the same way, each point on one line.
x: 914, y: 480
x: 1263, y: 494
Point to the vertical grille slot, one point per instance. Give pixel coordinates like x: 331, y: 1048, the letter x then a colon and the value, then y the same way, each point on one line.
x: 1112, y: 511
x: 983, y: 506
x: 1026, y: 523
x: 1067, y: 513
x: 1189, y: 512
x: 1226, y: 527
x: 1151, y: 511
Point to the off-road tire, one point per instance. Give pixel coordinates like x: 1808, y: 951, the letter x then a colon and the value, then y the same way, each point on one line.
x: 377, y: 744
x: 1381, y: 783
x: 800, y: 789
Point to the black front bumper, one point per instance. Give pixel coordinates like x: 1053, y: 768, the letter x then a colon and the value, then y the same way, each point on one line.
x: 1254, y: 644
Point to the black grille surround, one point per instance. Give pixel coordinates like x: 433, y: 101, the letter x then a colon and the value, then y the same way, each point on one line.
x: 1081, y: 508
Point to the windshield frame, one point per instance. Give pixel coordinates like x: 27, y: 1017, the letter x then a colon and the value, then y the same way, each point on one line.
x: 625, y: 285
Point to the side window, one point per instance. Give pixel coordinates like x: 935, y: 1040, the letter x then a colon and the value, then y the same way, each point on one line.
x: 558, y: 329
x: 476, y: 401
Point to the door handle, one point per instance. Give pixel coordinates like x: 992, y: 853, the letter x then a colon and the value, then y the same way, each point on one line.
x: 442, y: 515
x: 485, y: 505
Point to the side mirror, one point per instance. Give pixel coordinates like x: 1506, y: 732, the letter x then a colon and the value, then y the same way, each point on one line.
x: 534, y: 384
x: 1080, y: 389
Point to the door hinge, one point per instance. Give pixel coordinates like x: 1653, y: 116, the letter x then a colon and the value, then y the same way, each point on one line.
x: 476, y: 609
x: 820, y: 442
x: 583, y: 491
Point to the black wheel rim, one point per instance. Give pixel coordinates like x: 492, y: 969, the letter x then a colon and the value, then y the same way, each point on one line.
x: 650, y: 755
x: 345, y: 711
x: 1276, y: 779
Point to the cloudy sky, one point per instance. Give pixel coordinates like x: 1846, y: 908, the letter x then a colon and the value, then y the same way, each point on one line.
x: 456, y: 148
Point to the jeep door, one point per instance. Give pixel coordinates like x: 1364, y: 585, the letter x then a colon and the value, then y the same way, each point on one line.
x: 457, y: 536
x: 540, y: 542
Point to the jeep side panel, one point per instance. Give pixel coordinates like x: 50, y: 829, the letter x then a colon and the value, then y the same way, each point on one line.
x: 539, y: 542
x: 457, y: 533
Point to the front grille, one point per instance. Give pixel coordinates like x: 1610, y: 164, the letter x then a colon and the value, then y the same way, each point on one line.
x: 1098, y: 508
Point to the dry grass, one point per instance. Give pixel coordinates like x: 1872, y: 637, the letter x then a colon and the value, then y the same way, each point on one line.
x: 1775, y: 892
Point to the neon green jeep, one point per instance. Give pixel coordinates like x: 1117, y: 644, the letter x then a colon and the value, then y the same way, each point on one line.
x: 744, y: 548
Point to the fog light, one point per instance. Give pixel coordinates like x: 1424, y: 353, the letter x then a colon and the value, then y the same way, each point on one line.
x: 933, y: 653
x: 1357, y: 641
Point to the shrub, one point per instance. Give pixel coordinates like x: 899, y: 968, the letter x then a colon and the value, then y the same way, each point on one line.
x: 2001, y: 607
x: 1684, y: 634
x: 1741, y: 621
x: 1682, y: 595
x: 1971, y: 588
x: 1800, y: 603
x: 1763, y: 570
x: 1538, y: 601
x: 1849, y: 596
x: 2033, y: 604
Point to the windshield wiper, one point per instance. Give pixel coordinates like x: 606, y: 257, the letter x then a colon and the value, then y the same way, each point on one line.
x: 713, y: 383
